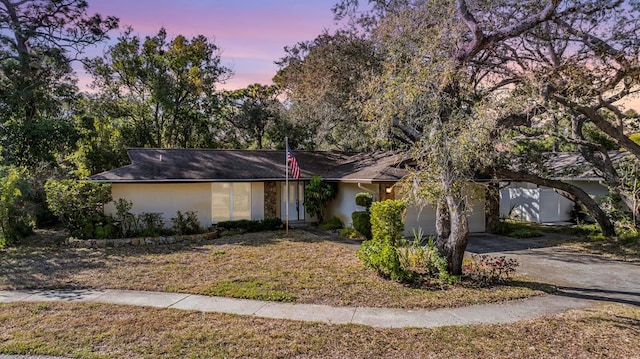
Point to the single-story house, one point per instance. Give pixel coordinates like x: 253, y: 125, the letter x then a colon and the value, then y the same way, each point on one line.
x: 533, y: 203
x: 224, y: 185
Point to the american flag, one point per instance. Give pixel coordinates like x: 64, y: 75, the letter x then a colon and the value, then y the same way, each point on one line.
x: 293, y: 164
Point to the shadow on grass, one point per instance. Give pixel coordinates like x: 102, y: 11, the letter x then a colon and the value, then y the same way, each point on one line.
x: 536, y: 286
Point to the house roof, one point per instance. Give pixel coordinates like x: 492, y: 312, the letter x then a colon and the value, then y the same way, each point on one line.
x: 195, y: 165
x: 573, y: 166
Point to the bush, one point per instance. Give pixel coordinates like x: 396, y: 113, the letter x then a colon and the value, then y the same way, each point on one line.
x: 383, y: 258
x: 380, y: 253
x: 387, y: 221
x: 316, y: 195
x: 364, y: 199
x: 245, y: 225
x: 15, y: 219
x: 150, y: 224
x: 424, y: 260
x: 125, y: 221
x: 362, y: 223
x: 78, y: 204
x: 186, y: 223
x: 333, y: 223
x: 486, y: 270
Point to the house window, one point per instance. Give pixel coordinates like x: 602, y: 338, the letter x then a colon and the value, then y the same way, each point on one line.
x: 230, y: 201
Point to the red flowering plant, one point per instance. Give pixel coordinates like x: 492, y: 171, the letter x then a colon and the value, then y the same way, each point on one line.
x: 487, y: 270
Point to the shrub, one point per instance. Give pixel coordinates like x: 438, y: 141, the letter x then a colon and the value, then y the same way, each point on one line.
x: 245, y: 225
x: 316, y: 195
x: 271, y: 224
x: 383, y: 258
x: 364, y: 199
x: 186, y: 223
x: 387, y: 221
x: 351, y: 233
x: 333, y: 223
x: 424, y: 260
x: 380, y: 253
x: 78, y: 204
x: 150, y: 224
x: 15, y: 219
x: 362, y: 223
x: 125, y: 221
x: 487, y: 270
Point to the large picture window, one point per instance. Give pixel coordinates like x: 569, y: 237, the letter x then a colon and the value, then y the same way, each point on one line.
x: 230, y: 201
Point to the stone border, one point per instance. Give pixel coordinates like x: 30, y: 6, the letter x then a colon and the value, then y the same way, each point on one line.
x: 141, y: 241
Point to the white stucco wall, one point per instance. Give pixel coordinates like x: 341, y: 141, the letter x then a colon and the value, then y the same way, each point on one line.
x: 425, y: 218
x: 543, y: 205
x: 166, y: 198
x: 345, y: 202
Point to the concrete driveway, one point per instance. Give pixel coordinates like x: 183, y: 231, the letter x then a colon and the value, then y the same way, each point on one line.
x: 576, y: 274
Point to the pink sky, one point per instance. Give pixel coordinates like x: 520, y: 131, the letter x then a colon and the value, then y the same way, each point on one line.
x: 252, y: 34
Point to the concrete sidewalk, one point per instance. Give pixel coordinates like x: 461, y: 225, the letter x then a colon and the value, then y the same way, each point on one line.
x: 507, y: 312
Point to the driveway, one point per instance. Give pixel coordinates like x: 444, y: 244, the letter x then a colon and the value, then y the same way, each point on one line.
x: 576, y: 274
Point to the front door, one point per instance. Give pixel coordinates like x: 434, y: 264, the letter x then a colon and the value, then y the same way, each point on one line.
x: 296, y: 200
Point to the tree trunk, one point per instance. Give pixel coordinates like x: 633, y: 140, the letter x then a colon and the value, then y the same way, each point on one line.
x: 459, y: 236
x: 492, y: 210
x: 572, y: 192
x: 443, y: 225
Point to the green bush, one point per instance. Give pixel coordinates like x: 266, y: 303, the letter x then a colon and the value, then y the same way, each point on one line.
x: 245, y: 225
x: 362, y: 223
x: 333, y: 223
x: 383, y: 258
x: 78, y: 204
x: 271, y: 224
x: 387, y: 221
x: 364, y: 199
x: 424, y: 260
x: 16, y: 221
x: 316, y: 195
x: 380, y: 253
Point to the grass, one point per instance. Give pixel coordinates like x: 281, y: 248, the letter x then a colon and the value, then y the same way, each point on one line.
x: 107, y: 331
x: 303, y: 269
x: 584, y: 238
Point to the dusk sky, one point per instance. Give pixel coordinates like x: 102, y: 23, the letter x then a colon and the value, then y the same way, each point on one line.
x: 252, y: 34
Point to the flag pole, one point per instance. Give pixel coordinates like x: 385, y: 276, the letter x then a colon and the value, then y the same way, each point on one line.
x: 286, y: 186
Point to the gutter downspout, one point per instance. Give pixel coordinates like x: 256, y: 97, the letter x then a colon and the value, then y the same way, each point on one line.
x: 374, y: 193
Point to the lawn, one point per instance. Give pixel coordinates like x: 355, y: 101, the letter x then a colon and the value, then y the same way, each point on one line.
x: 585, y: 238
x: 304, y: 269
x: 109, y: 331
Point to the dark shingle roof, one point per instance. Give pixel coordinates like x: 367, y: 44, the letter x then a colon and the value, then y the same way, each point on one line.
x: 190, y: 165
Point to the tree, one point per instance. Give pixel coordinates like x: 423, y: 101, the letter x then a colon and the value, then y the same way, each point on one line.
x: 320, y: 79
x: 448, y: 87
x: 164, y: 90
x: 38, y: 41
x: 254, y: 113
x: 101, y: 145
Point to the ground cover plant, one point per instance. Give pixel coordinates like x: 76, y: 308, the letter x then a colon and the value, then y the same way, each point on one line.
x: 304, y: 268
x: 108, y: 331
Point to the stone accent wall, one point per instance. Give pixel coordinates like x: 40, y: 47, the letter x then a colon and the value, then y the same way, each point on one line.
x: 270, y: 199
x: 383, y: 191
